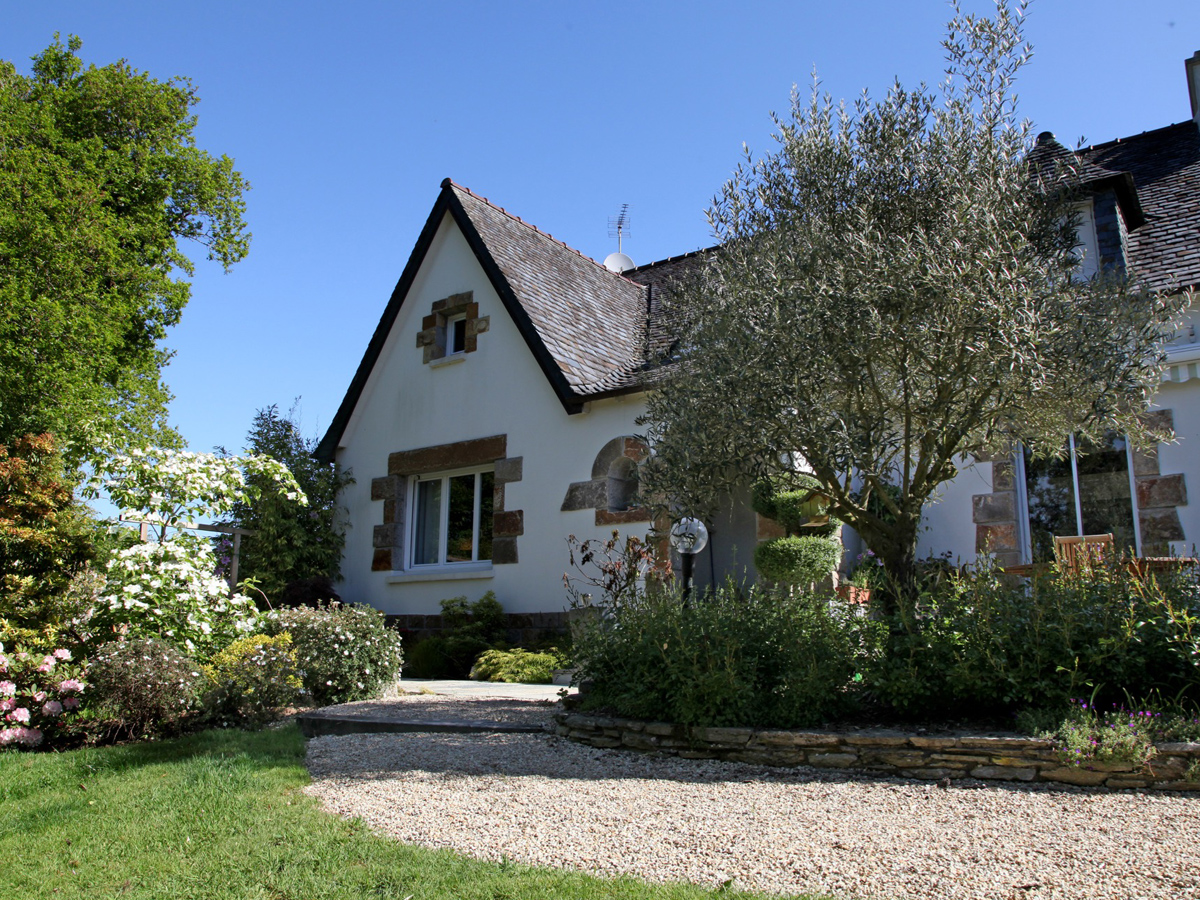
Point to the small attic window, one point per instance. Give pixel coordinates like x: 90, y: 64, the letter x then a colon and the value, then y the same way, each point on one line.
x: 456, y: 334
x: 451, y: 329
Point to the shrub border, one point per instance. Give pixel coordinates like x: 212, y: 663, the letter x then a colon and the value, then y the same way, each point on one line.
x: 884, y: 753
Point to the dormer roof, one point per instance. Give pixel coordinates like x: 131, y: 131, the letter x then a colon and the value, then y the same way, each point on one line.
x: 1164, y: 166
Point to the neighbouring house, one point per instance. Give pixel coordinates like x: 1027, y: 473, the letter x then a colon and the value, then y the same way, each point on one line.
x: 494, y: 411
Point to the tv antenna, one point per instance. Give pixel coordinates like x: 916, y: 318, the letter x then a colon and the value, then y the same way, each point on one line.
x: 618, y: 225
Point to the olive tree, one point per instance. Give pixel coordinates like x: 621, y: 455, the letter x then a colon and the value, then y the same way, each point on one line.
x: 895, y: 290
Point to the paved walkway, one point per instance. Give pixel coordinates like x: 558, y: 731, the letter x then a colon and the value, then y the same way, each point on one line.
x: 418, y: 704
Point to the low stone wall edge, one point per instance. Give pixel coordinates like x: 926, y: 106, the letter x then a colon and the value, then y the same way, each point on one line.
x: 886, y: 753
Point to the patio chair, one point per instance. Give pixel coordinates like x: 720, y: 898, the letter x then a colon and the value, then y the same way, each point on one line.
x: 1081, y: 551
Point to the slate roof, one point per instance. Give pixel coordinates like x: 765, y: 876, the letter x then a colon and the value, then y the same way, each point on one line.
x: 1165, y: 167
x: 592, y: 321
x: 597, y: 334
x: 1050, y: 162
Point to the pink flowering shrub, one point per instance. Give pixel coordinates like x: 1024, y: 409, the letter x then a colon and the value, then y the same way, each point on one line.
x: 39, y: 698
x: 142, y: 687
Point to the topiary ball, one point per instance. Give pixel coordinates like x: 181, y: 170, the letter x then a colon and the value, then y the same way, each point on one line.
x: 797, y: 560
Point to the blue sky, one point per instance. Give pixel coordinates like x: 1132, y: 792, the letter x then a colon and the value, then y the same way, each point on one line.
x: 345, y: 117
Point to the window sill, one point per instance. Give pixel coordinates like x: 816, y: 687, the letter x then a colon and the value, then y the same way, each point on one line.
x: 463, y: 572
x: 447, y: 360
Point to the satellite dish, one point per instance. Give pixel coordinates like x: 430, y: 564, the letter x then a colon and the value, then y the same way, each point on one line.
x: 618, y: 262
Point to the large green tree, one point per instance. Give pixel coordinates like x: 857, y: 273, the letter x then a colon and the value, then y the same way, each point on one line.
x: 895, y: 291
x: 100, y: 186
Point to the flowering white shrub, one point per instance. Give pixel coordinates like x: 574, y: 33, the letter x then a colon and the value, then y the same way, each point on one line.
x: 172, y: 487
x: 346, y: 651
x: 143, y: 687
x: 39, y: 695
x: 170, y: 590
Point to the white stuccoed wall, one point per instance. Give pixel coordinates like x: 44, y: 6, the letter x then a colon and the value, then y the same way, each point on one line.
x: 947, y: 525
x: 499, y: 389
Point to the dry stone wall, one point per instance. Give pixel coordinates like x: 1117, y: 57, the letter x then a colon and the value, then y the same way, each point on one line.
x: 879, y: 752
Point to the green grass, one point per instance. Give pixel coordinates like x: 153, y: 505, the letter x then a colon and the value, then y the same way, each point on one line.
x: 219, y: 815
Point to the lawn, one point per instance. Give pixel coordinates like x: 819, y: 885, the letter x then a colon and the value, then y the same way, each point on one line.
x: 220, y: 814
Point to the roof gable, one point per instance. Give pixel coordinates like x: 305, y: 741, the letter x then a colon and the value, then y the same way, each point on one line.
x: 583, y: 324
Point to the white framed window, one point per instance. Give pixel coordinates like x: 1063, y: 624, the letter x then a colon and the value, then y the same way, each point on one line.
x: 451, y: 522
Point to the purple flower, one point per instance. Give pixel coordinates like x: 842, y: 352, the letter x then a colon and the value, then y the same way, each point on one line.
x: 70, y: 684
x: 52, y: 708
x: 70, y: 703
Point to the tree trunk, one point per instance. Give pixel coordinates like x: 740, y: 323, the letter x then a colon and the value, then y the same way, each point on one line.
x: 896, y: 549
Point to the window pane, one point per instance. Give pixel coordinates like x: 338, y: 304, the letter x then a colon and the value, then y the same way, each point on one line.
x: 1104, y: 491
x: 1051, y: 494
x: 487, y: 485
x: 428, y: 523
x: 460, y: 531
x: 458, y: 335
x: 1103, y: 497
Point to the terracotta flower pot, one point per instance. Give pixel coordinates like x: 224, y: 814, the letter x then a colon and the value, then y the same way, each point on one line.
x: 852, y: 594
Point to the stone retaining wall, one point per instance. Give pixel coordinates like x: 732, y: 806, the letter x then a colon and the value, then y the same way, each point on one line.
x: 1000, y: 758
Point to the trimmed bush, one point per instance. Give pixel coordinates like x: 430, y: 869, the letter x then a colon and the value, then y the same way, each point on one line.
x: 346, y: 651
x: 797, y: 560
x: 143, y: 688
x: 791, y: 505
x: 254, y: 677
x: 737, y: 657
x: 516, y: 666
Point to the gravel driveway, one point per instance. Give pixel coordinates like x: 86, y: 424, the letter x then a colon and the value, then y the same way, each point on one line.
x: 546, y: 801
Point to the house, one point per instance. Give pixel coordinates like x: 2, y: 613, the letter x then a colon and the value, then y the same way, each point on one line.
x: 494, y: 411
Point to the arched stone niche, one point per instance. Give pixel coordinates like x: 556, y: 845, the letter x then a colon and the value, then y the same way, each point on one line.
x: 612, y: 489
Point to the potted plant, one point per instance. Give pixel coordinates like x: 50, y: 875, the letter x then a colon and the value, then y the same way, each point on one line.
x: 867, y: 573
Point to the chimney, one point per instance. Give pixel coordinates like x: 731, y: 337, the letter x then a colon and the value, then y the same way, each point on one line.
x: 1193, y: 75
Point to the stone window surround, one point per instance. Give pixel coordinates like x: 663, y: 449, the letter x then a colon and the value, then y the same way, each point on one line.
x: 432, y: 338
x: 392, y: 489
x: 1158, y: 499
x: 593, y: 493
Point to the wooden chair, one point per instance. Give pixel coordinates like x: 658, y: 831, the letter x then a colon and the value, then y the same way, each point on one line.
x: 1076, y: 553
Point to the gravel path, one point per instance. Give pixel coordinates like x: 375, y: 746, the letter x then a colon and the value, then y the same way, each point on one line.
x: 547, y: 801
